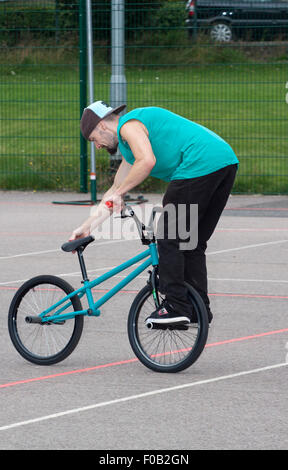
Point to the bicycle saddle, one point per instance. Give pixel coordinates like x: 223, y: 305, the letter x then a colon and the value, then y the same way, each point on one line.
x: 79, y: 244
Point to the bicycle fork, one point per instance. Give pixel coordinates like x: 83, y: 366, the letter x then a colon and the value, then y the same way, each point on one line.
x: 153, y: 281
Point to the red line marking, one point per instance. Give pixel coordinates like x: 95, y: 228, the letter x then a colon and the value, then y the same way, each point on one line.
x: 8, y: 288
x: 227, y: 341
x: 44, y: 203
x: 61, y: 374
x: 253, y: 296
x: 256, y: 296
x: 22, y: 203
x: 251, y: 230
x: 30, y: 233
x: 256, y: 209
x: 35, y: 203
x: 129, y: 361
x: 244, y: 338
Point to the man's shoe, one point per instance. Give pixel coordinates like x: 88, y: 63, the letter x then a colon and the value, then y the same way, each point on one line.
x: 165, y: 314
x: 210, y: 315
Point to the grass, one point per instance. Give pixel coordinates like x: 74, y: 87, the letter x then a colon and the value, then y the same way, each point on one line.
x: 241, y: 100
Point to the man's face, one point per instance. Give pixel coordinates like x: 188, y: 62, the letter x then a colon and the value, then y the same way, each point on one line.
x: 104, y: 138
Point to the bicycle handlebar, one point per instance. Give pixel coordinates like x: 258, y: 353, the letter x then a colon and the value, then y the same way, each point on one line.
x: 150, y: 236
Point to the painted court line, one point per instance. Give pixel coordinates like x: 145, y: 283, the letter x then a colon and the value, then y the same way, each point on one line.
x: 256, y: 209
x: 140, y: 396
x: 248, y: 296
x: 217, y: 279
x: 76, y: 273
x: 246, y: 247
x: 33, y: 253
x: 274, y: 229
x: 226, y: 279
x: 211, y: 294
x: 133, y: 291
x: 128, y: 361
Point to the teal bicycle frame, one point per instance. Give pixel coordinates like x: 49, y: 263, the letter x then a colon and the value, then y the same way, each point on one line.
x: 152, y: 259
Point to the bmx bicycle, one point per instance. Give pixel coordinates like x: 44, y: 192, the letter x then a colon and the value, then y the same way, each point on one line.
x: 45, y: 319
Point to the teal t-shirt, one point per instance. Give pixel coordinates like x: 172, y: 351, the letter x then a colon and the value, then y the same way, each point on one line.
x: 182, y: 148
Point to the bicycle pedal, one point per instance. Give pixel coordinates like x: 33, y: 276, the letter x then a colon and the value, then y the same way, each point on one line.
x: 159, y: 326
x: 183, y: 326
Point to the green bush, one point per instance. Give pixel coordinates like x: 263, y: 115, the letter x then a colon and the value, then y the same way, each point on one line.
x: 20, y: 20
x: 169, y: 16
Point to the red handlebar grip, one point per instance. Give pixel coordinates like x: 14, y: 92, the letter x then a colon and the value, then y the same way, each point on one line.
x: 109, y: 204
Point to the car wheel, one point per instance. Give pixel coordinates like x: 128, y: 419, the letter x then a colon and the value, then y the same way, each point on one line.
x: 221, y: 32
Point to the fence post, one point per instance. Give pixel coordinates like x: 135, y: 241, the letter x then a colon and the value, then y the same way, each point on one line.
x: 118, y: 94
x: 83, y: 92
x: 195, y: 22
x: 93, y: 185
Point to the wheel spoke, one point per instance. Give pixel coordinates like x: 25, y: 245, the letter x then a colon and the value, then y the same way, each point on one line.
x: 45, y: 343
x: 167, y: 348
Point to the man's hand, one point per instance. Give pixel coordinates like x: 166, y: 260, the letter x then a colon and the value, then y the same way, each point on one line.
x: 116, y: 200
x: 98, y: 215
x: 79, y: 232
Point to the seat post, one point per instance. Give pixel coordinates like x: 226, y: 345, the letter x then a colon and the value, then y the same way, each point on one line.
x: 82, y: 264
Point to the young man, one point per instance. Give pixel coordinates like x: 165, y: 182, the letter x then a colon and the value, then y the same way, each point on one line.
x: 200, y: 168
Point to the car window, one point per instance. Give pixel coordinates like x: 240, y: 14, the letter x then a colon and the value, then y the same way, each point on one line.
x: 269, y: 1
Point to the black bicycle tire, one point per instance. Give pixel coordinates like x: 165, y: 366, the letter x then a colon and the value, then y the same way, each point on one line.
x: 12, y: 320
x: 140, y: 298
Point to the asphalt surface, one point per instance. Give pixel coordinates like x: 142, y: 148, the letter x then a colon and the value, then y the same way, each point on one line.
x: 101, y: 397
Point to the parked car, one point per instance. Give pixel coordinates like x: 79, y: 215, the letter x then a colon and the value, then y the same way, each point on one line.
x: 228, y: 19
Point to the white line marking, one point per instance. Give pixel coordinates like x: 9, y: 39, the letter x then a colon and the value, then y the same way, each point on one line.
x: 277, y: 281
x: 76, y: 273
x: 122, y: 276
x: 33, y: 253
x: 116, y: 241
x: 246, y: 246
x: 220, y: 279
x: 138, y: 396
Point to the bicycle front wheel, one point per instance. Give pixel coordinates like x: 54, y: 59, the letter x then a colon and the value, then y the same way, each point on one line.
x: 166, y: 349
x: 43, y: 343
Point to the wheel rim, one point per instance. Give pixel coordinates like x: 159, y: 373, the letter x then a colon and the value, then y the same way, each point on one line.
x: 221, y: 33
x: 164, y: 348
x: 42, y: 340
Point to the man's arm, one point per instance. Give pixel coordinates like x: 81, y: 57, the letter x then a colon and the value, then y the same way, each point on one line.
x: 137, y: 137
x: 100, y: 212
x: 126, y: 178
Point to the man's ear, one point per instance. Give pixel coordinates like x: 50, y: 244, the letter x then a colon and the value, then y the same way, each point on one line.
x: 102, y: 126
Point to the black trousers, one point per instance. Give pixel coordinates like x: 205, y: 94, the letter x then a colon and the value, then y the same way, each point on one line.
x: 210, y: 193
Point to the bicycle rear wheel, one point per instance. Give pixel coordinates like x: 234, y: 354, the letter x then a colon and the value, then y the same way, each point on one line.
x: 166, y: 349
x: 43, y: 343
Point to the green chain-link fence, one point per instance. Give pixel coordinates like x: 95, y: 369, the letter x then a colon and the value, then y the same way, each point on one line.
x: 237, y: 88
